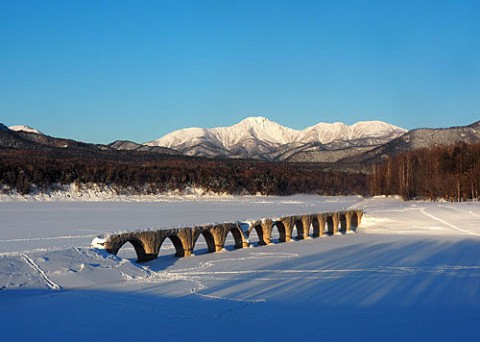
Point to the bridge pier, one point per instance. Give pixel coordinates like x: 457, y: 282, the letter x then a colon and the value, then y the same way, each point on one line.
x: 318, y: 223
x: 344, y: 224
x: 332, y: 223
x: 281, y: 230
x: 257, y: 226
x: 300, y: 229
x: 352, y: 220
x: 306, y: 223
x: 267, y: 227
x: 287, y: 224
x: 359, y: 216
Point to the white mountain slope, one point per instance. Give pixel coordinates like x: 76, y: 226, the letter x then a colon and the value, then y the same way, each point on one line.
x: 258, y: 137
x: 327, y: 133
x: 258, y: 128
x: 23, y: 128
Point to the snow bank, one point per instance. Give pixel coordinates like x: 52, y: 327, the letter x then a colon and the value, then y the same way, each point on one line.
x: 98, y: 193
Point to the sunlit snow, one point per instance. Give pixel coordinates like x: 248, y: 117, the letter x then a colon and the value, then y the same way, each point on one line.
x: 263, y: 130
x: 410, y: 272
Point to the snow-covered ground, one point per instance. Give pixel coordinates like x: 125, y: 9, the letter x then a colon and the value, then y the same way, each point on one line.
x: 411, y: 272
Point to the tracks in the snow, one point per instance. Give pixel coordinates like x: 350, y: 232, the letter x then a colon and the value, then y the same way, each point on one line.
x: 448, y: 224
x: 50, y: 284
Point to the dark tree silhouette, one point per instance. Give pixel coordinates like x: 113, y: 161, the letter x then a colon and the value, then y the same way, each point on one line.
x: 152, y: 173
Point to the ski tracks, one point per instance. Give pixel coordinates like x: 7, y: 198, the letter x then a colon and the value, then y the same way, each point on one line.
x: 50, y: 284
x: 448, y: 224
x: 65, y: 237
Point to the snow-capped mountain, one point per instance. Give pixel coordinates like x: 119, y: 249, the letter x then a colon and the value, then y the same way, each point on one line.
x: 327, y: 133
x: 23, y: 128
x: 260, y: 138
x: 258, y: 128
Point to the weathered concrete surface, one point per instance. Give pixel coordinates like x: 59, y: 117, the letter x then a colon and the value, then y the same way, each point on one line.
x: 147, y: 243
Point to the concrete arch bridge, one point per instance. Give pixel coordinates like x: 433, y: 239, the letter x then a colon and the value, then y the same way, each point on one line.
x: 147, y: 243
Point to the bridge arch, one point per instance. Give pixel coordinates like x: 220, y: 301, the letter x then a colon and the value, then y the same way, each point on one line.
x: 282, y: 232
x: 258, y: 229
x: 330, y: 225
x: 286, y: 224
x: 356, y: 218
x: 137, y: 246
x: 209, y: 240
x: 318, y: 224
x: 354, y: 222
x: 300, y: 229
x: 238, y: 238
x: 177, y: 243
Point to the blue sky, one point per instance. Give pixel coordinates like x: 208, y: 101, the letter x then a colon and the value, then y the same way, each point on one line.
x: 104, y: 70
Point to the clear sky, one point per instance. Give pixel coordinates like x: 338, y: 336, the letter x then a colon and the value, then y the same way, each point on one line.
x: 103, y: 70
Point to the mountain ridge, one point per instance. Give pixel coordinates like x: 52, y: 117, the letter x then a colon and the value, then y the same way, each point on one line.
x: 260, y: 138
x: 417, y: 139
x: 354, y: 154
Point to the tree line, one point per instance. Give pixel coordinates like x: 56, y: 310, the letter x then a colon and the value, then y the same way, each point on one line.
x: 143, y: 172
x: 451, y: 173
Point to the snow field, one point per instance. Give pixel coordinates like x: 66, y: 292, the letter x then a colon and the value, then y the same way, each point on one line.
x: 411, y: 272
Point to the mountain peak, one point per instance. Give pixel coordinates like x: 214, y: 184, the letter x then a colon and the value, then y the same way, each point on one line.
x: 255, y: 120
x: 23, y: 128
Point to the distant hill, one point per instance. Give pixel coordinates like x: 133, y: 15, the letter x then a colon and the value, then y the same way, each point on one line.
x: 125, y: 145
x: 24, y: 137
x: 341, y: 146
x: 416, y: 139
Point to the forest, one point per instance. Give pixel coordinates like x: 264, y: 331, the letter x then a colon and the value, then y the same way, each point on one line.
x: 139, y: 172
x: 451, y: 173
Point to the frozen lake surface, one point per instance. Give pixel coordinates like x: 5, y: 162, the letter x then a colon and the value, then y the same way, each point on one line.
x: 60, y: 224
x: 411, y: 272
